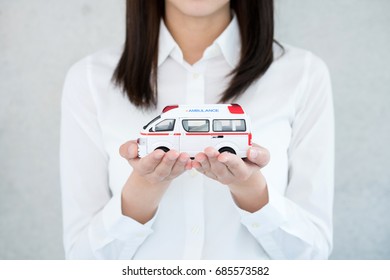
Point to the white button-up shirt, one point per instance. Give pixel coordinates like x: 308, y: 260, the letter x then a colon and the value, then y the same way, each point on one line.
x: 292, y: 116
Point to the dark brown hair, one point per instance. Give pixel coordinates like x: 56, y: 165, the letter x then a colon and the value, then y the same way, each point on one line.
x: 136, y: 72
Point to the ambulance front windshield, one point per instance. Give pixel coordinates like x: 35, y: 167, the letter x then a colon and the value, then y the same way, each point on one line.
x: 152, y: 121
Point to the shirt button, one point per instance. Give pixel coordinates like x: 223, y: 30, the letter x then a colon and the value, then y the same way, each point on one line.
x: 193, y: 172
x: 255, y: 225
x: 195, y: 75
x: 195, y: 230
x: 214, y: 51
x: 140, y: 235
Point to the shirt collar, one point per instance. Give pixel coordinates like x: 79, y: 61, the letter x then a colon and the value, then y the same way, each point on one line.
x: 167, y: 45
x: 228, y: 43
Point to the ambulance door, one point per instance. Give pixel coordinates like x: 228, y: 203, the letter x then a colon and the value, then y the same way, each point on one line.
x: 163, y: 136
x: 230, y: 135
x: 218, y: 134
x: 195, y: 135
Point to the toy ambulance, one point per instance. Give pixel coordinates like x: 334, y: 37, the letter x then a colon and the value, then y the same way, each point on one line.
x: 192, y: 128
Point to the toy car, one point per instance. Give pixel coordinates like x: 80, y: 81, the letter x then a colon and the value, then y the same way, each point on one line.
x: 192, y: 128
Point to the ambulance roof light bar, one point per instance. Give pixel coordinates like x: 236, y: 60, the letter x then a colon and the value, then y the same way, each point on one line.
x: 235, y: 109
x: 170, y: 107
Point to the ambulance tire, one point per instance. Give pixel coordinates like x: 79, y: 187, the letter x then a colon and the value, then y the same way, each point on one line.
x: 165, y: 149
x: 227, y: 149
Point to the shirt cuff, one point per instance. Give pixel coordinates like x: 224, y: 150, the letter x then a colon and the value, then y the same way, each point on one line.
x: 122, y: 227
x: 268, y: 218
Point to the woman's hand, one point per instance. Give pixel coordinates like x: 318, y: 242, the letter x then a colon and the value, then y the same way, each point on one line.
x: 150, y: 178
x: 158, y: 167
x: 243, y: 177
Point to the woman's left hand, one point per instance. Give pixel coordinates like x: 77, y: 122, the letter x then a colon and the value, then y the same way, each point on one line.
x: 243, y: 177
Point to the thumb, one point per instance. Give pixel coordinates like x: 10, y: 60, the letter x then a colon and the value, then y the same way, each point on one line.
x: 129, y: 150
x: 258, y: 155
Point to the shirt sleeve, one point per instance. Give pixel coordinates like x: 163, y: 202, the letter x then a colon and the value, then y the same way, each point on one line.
x: 298, y: 223
x: 93, y: 224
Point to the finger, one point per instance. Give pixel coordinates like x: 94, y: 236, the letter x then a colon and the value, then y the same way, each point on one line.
x: 164, y: 168
x: 129, y: 150
x: 258, y: 155
x: 189, y: 165
x: 235, y: 165
x: 201, y: 162
x: 212, y: 155
x: 218, y: 168
x: 148, y: 163
x: 180, y: 165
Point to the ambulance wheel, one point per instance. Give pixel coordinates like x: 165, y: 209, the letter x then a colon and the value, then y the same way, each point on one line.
x: 165, y: 149
x: 226, y: 149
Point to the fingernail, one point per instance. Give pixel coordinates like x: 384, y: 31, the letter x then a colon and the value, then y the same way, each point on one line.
x: 130, y: 150
x: 183, y: 159
x: 211, y: 153
x: 222, y: 159
x: 173, y: 156
x: 159, y: 155
x: 253, y: 153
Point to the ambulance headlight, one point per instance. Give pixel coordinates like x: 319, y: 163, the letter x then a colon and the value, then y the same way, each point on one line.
x: 141, y: 147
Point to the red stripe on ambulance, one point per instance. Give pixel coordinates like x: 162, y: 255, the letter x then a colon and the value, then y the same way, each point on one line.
x: 155, y: 134
x: 211, y: 133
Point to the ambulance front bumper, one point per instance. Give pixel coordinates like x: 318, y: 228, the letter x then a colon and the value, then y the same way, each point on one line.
x: 142, y: 149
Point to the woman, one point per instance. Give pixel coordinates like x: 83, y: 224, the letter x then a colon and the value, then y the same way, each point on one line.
x: 216, y: 206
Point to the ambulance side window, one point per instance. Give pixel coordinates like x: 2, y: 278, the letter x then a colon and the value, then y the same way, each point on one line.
x: 196, y: 125
x: 229, y: 125
x: 165, y: 125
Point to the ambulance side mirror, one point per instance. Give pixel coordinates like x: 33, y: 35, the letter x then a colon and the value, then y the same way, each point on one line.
x: 151, y: 129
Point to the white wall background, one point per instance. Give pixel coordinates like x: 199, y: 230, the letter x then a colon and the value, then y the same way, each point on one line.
x: 41, y: 39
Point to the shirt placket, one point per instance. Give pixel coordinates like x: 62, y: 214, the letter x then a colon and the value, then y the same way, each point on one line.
x: 194, y: 220
x: 195, y: 223
x: 195, y: 91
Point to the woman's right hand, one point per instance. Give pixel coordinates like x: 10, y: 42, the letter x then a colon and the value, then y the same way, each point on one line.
x: 150, y: 178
